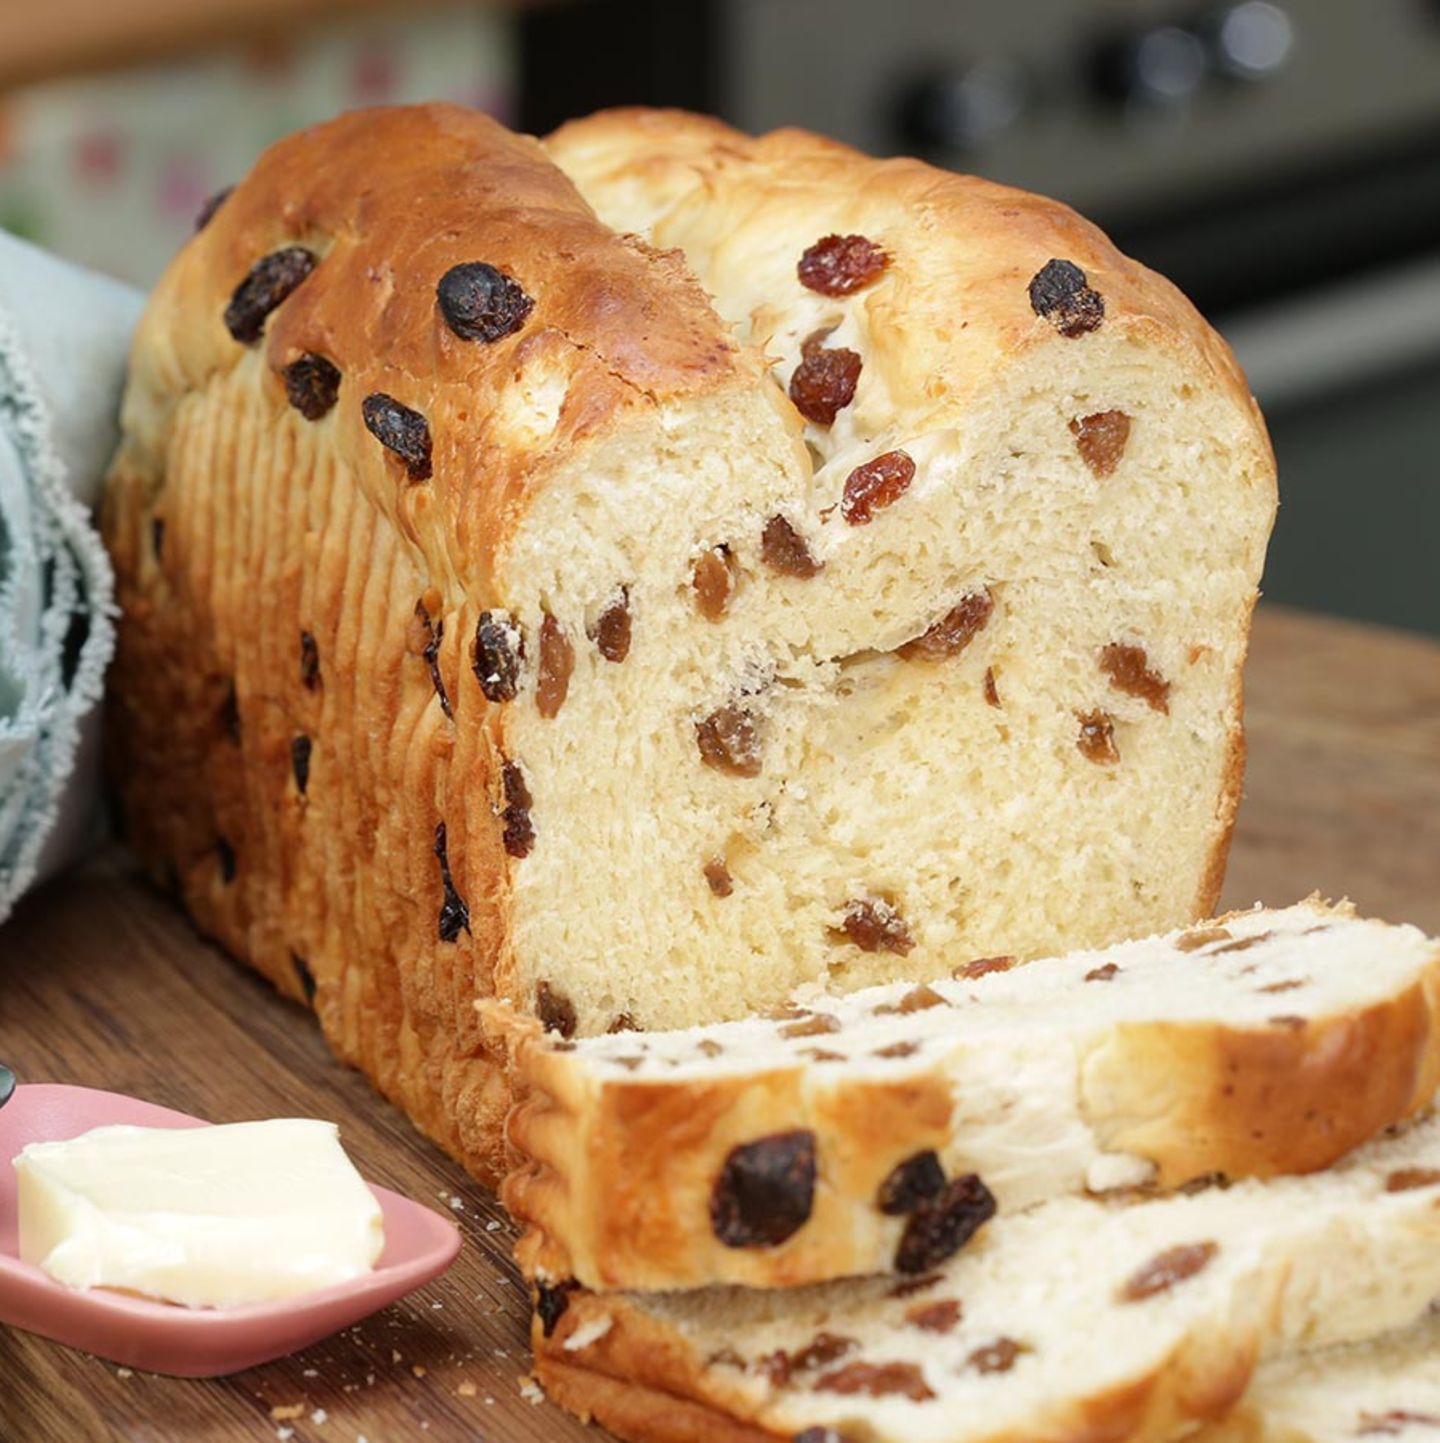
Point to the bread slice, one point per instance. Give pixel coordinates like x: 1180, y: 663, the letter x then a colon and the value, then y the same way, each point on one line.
x: 488, y: 626
x: 1386, y: 1388
x: 1078, y: 1321
x: 817, y: 1144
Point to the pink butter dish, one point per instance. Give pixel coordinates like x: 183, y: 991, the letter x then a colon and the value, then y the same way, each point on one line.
x: 188, y: 1342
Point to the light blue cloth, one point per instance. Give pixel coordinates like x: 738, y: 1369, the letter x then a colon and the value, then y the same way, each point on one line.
x: 64, y: 334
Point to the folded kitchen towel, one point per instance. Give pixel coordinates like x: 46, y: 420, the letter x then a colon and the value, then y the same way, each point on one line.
x: 64, y: 334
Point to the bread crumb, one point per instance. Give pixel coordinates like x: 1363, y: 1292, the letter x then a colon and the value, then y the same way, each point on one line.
x: 467, y: 1390
x: 319, y: 1416
x: 124, y: 1373
x: 283, y: 1433
x: 494, y: 1225
x: 457, y: 1203
x: 311, y: 1373
x: 395, y: 1355
x: 282, y: 1411
x: 531, y: 1390
x: 419, y: 1370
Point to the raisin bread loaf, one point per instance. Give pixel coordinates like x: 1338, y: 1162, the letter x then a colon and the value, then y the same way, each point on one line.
x: 819, y: 1143
x: 489, y: 625
x: 1077, y: 1321
x: 1385, y: 1388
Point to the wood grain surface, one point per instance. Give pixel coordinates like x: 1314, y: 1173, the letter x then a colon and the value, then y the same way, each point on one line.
x: 103, y: 983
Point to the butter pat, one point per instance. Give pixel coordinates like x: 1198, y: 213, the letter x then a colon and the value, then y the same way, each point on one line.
x: 210, y: 1217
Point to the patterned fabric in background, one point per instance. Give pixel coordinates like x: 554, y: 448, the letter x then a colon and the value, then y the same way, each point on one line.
x: 110, y: 170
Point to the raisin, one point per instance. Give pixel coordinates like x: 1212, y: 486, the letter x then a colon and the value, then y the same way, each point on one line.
x: 783, y: 550
x: 713, y: 580
x: 909, y: 1287
x: 940, y: 1228
x: 312, y: 385
x: 1194, y: 941
x: 820, y: 1352
x: 1166, y: 1269
x: 875, y: 485
x: 211, y: 205
x: 996, y: 1357
x: 1408, y: 1178
x: 1393, y: 1423
x: 225, y: 854
x: 1097, y: 738
x: 729, y: 741
x: 622, y: 1022
x: 551, y: 1303
x: 1100, y: 439
x: 499, y: 647
x: 940, y: 1317
x: 765, y: 1191
x: 982, y: 967
x: 557, y: 661
x: 304, y: 976
x: 1243, y: 944
x: 300, y: 762
x: 401, y: 431
x: 157, y: 536
x: 1128, y: 668
x: 430, y: 652
x: 1292, y: 985
x: 230, y: 716
x: 270, y: 280
x: 454, y: 914
x: 919, y: 1179
x: 821, y: 1024
x: 1289, y: 1022
x: 838, y: 265
x: 717, y: 874
x: 992, y: 692
x: 917, y: 999
x: 555, y: 1010
x: 309, y: 662
x: 612, y: 631
x: 1102, y: 974
x: 519, y: 835
x: 878, y: 1380
x: 874, y: 925
x: 823, y: 384
x: 708, y: 1047
x: 480, y: 303
x: 1060, y: 291
x: 898, y: 1049
x: 954, y: 631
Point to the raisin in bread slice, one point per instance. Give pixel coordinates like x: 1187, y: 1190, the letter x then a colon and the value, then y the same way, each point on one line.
x: 1385, y: 1388
x: 1080, y: 1320
x: 488, y: 627
x: 818, y: 1143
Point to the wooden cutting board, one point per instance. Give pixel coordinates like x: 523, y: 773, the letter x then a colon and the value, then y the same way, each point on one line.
x: 103, y: 983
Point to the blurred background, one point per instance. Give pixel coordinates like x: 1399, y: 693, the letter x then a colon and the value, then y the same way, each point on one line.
x: 1279, y: 159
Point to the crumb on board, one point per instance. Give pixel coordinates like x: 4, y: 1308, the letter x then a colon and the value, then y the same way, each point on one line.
x: 530, y: 1390
x: 467, y: 1390
x: 283, y: 1433
x: 419, y: 1370
x: 283, y: 1411
x: 319, y: 1416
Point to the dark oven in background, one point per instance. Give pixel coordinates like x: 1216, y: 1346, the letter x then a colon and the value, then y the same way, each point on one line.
x: 1280, y: 161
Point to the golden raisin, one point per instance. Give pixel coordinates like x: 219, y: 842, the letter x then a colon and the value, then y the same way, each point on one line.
x: 717, y: 874
x: 940, y: 1317
x: 982, y: 967
x: 1097, y: 738
x: 992, y: 692
x: 557, y: 661
x: 1129, y: 670
x: 783, y: 549
x: 612, y: 631
x: 917, y: 999
x: 1166, y: 1269
x: 824, y: 382
x: 838, y: 265
x: 876, y: 484
x: 1100, y: 439
x: 954, y: 631
x: 713, y: 581
x: 878, y: 1380
x: 729, y: 741
x: 996, y: 1357
x: 874, y: 925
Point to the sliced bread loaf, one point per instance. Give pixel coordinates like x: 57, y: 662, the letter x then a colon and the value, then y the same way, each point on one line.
x: 855, y: 1134
x: 1076, y: 1322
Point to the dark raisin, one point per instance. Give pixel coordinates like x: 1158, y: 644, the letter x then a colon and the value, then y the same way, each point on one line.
x: 557, y: 661
x: 783, y: 550
x: 1166, y: 1269
x: 713, y: 580
x: 917, y: 999
x: 454, y: 914
x: 157, y: 536
x: 551, y: 1302
x: 1128, y: 668
x: 909, y: 1287
x: 1100, y: 439
x: 1194, y: 941
x: 211, y: 205
x: 876, y: 484
x: 819, y: 1025
x: 717, y: 874
x: 312, y: 385
x: 1060, y: 291
x: 879, y: 1380
x: 230, y: 716
x: 498, y: 650
x: 304, y: 976
x: 612, y: 631
x: 820, y: 1352
x: 1097, y: 738
x: 1102, y: 974
x: 519, y: 836
x: 996, y: 1357
x: 480, y: 303
x: 309, y: 662
x: 919, y: 1179
x: 940, y: 1317
x: 954, y: 631
x: 729, y: 741
x: 1406, y: 1179
x: 270, y: 280
x: 430, y: 652
x: 225, y: 854
x: 992, y: 692
x: 875, y: 926
x: 837, y: 265
x: 401, y: 431
x: 555, y: 1010
x: 824, y: 382
x: 300, y: 762
x: 765, y: 1191
x: 982, y: 967
x: 940, y: 1228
